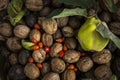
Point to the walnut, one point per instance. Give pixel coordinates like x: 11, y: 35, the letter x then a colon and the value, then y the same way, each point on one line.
x: 13, y: 44
x: 56, y: 3
x: 39, y: 55
x: 23, y: 56
x: 51, y: 76
x: 47, y: 39
x: 105, y: 16
x: 35, y: 34
x: 85, y: 64
x: 21, y: 31
x: 69, y: 75
x: 5, y: 29
x: 115, y: 27
x: 57, y: 34
x: 3, y: 4
x: 45, y: 68
x: 55, y: 49
x: 71, y: 56
x: 31, y: 71
x: 70, y: 43
x: 67, y: 31
x: 16, y: 72
x: 74, y: 22
x: 102, y: 57
x: 103, y: 72
x: 45, y: 11
x: 49, y: 26
x: 13, y: 59
x: 61, y: 22
x: 34, y: 5
x: 57, y: 65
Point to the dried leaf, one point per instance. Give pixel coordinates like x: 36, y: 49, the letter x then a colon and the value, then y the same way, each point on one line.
x: 68, y: 12
x: 103, y: 29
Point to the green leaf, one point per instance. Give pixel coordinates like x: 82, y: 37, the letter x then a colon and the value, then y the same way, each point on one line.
x: 81, y: 3
x: 103, y: 29
x: 17, y: 18
x: 54, y: 13
x: 27, y: 45
x: 11, y: 11
x: 68, y: 12
x: 111, y: 6
x: 114, y: 77
x: 15, y: 11
x: 17, y: 4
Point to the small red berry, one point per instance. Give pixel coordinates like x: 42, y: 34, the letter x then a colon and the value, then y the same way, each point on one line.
x: 35, y: 47
x: 40, y: 44
x: 34, y: 41
x: 47, y: 49
x: 30, y: 60
x: 36, y: 26
x: 60, y: 40
x: 39, y: 65
x: 61, y: 53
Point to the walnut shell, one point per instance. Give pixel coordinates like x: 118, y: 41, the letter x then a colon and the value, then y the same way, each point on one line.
x: 69, y: 75
x: 70, y: 43
x: 57, y: 34
x: 35, y: 34
x: 103, y: 72
x: 16, y: 72
x: 13, y: 59
x: 34, y: 5
x: 23, y: 57
x: 45, y: 68
x: 67, y: 31
x: 3, y: 4
x: 105, y: 16
x: 74, y: 22
x: 45, y: 11
x: 55, y: 49
x: 49, y: 26
x: 115, y: 27
x: 51, y: 76
x: 13, y: 44
x: 84, y: 64
x: 61, y: 22
x: 57, y: 65
x: 102, y: 57
x: 71, y: 56
x: 39, y: 55
x: 21, y: 31
x: 5, y: 29
x: 31, y: 71
x: 47, y: 39
x: 56, y: 3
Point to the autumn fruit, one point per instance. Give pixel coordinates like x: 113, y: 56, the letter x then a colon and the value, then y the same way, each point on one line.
x: 89, y: 38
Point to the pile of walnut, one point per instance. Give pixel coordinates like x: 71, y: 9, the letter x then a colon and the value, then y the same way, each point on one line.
x: 56, y: 55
